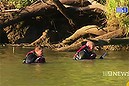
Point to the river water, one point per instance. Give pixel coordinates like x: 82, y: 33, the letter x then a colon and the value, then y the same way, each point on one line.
x: 61, y: 70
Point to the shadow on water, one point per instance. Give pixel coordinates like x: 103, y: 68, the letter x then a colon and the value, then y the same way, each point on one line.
x: 61, y: 70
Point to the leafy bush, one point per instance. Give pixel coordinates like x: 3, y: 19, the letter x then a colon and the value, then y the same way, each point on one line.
x: 19, y: 3
x: 122, y: 19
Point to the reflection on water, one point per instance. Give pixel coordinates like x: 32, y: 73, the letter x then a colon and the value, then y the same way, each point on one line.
x: 61, y: 70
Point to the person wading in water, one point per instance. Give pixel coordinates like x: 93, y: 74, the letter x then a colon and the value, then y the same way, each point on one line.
x: 85, y: 52
x: 35, y: 56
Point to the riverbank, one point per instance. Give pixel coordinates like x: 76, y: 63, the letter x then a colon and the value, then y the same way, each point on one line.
x: 105, y: 47
x: 63, y: 32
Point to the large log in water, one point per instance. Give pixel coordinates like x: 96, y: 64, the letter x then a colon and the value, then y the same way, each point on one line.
x: 103, y: 38
x: 90, y: 29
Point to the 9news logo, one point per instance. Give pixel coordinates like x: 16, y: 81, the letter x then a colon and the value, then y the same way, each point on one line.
x: 122, y: 9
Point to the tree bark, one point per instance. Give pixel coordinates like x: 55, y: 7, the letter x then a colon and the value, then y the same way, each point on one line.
x: 44, y: 9
x: 42, y: 39
x: 90, y: 29
x: 31, y: 11
x: 103, y: 38
x: 63, y: 10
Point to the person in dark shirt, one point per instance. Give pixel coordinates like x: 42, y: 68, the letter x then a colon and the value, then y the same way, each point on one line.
x: 35, y: 56
x: 85, y: 52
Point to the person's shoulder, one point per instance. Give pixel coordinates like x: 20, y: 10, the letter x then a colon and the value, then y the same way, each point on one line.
x: 30, y: 52
x: 31, y: 55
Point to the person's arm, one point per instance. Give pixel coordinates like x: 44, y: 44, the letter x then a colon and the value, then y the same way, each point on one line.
x: 81, y: 48
x: 76, y: 54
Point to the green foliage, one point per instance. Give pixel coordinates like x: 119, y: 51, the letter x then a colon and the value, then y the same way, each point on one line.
x: 102, y: 1
x: 121, y: 18
x: 19, y: 3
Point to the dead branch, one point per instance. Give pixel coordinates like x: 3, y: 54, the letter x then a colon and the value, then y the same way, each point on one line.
x: 62, y: 9
x: 42, y: 39
x: 90, y: 29
x: 105, y: 39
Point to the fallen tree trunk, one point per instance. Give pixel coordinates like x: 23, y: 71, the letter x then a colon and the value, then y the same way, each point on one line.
x: 103, y: 42
x: 63, y: 10
x: 77, y: 3
x: 74, y: 41
x: 105, y: 39
x: 112, y: 34
x: 56, y: 9
x: 44, y: 9
x: 90, y: 29
x: 71, y: 47
x: 31, y: 11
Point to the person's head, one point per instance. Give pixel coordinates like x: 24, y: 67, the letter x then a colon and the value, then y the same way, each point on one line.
x: 39, y: 50
x: 91, y: 45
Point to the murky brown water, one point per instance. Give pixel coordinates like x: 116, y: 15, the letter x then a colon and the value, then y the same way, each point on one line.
x: 61, y: 70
